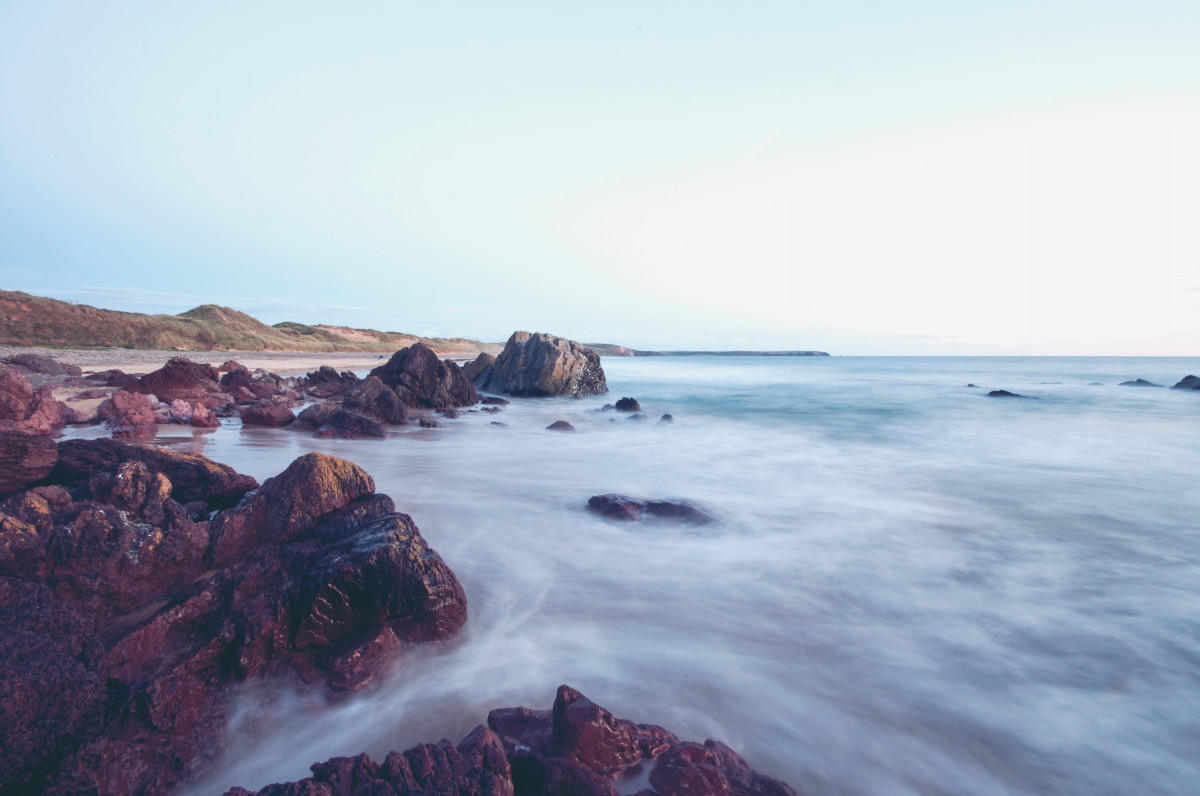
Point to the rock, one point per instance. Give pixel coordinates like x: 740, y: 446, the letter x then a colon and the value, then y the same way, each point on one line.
x: 492, y: 410
x: 973, y: 386
x: 89, y: 395
x: 560, y: 425
x: 351, y: 425
x: 16, y: 395
x: 575, y: 749
x: 498, y: 423
x: 315, y: 416
x: 627, y: 509
x: 617, y: 507
x: 475, y: 367
x: 1138, y: 383
x: 450, y: 414
x: 185, y: 379
x: 636, y: 416
x: 129, y: 414
x: 538, y: 364
x: 628, y: 405
x: 24, y: 459
x: 268, y: 413
x: 429, y: 422
x: 493, y: 400
x: 193, y: 477
x: 1187, y: 383
x: 40, y: 363
x: 666, y: 419
x: 230, y: 365
x: 325, y: 382
x: 373, y: 398
x: 197, y: 414
x: 421, y: 379
x: 45, y: 415
x: 125, y: 623
x: 119, y: 379
x: 1003, y: 394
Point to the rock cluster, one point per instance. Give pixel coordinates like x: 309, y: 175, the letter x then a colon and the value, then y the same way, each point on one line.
x: 539, y: 365
x: 576, y: 748
x: 138, y: 585
x: 31, y: 411
x: 421, y: 379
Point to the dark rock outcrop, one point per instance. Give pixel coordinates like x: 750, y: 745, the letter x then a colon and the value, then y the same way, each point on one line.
x: 330, y: 420
x: 268, y: 413
x: 126, y: 615
x: 1003, y: 394
x: 1138, y: 383
x: 1187, y: 383
x: 40, y: 363
x: 421, y: 379
x: 478, y: 365
x: 537, y: 365
x: 429, y: 422
x: 628, y: 509
x: 577, y: 748
x: 373, y: 398
x: 325, y: 382
x: 560, y: 425
x: 24, y: 459
x: 493, y: 400
x: 181, y: 378
x: 628, y: 405
x: 667, y: 419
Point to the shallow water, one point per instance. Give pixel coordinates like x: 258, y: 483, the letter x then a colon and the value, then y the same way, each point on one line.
x: 913, y: 589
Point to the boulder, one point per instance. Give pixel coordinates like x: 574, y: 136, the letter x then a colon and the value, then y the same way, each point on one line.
x: 477, y: 366
x: 373, y: 398
x: 344, y: 424
x: 16, y: 395
x: 537, y: 365
x: 230, y: 365
x: 1138, y: 383
x: 40, y: 363
x: 268, y: 413
x: 182, y: 378
x: 45, y: 415
x: 493, y: 400
x: 24, y: 459
x: 628, y: 405
x: 422, y: 379
x: 326, y: 382
x: 129, y: 414
x: 429, y: 422
x: 126, y: 617
x: 1187, y: 383
x: 560, y: 425
x: 617, y: 507
x: 628, y: 509
x: 192, y: 414
x: 667, y: 419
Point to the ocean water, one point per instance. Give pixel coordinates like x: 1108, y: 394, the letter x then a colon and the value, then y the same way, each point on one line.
x: 913, y: 588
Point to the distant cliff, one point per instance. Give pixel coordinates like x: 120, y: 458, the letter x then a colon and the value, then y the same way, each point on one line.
x: 27, y: 320
x: 610, y: 350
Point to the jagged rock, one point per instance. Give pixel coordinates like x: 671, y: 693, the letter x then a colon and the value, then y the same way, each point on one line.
x: 421, y: 379
x: 185, y: 379
x: 628, y: 405
x: 24, y: 459
x: 326, y: 382
x: 230, y: 365
x: 268, y: 413
x: 627, y: 509
x: 1187, y: 383
x: 344, y: 424
x: 536, y: 365
x: 124, y: 621
x: 560, y: 425
x: 478, y: 365
x: 1138, y: 383
x: 16, y: 395
x: 373, y: 398
x: 40, y: 363
x: 129, y: 414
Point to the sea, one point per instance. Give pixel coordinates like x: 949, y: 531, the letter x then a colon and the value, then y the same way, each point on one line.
x: 912, y: 588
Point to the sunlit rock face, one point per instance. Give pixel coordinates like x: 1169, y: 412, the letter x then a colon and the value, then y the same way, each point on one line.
x: 541, y: 365
x: 128, y: 610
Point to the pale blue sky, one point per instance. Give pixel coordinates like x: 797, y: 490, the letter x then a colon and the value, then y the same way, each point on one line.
x: 861, y: 177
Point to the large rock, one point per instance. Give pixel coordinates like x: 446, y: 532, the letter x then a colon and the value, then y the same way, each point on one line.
x: 325, y: 382
x: 1187, y: 383
x: 16, y: 395
x: 331, y: 420
x: 24, y: 459
x: 538, y: 364
x: 31, y: 411
x: 181, y: 378
x: 577, y: 748
x: 627, y: 509
x: 478, y: 365
x: 126, y: 617
x: 421, y: 379
x: 373, y: 398
x: 268, y: 413
x: 129, y: 414
x: 40, y: 363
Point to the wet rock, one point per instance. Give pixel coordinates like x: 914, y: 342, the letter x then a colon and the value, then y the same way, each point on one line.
x: 973, y: 386
x: 636, y: 416
x: 711, y: 769
x: 89, y: 395
x: 1003, y: 394
x: 430, y: 422
x: 560, y: 425
x: 230, y: 365
x: 129, y: 414
x: 315, y: 416
x: 192, y: 414
x: 329, y: 420
x: 1187, y: 383
x: 628, y: 405
x: 421, y: 379
x: 477, y: 366
x: 325, y: 382
x: 1138, y: 383
x: 16, y: 395
x: 536, y: 365
x: 268, y: 413
x: 40, y: 363
x: 492, y: 410
x: 187, y: 380
x: 628, y: 509
x: 24, y: 459
x: 617, y: 507
x: 666, y: 419
x: 373, y: 398
x: 498, y: 423
x: 493, y: 400
x: 450, y: 414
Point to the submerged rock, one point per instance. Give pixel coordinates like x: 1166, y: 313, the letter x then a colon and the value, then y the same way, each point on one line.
x: 628, y: 405
x: 628, y: 509
x: 560, y: 425
x: 1003, y: 394
x: 1138, y: 383
x: 576, y: 748
x: 1187, y: 383
x: 539, y: 365
x: 268, y: 413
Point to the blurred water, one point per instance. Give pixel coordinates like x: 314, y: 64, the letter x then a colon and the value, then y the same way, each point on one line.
x: 914, y: 589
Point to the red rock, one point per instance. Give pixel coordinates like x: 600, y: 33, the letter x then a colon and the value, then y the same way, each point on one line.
x: 16, y: 395
x: 429, y: 422
x: 617, y: 507
x: 351, y: 425
x: 493, y: 400
x: 24, y: 459
x: 230, y: 365
x: 326, y: 382
x: 475, y: 367
x: 268, y: 413
x: 129, y: 414
x: 40, y: 363
x: 711, y: 769
x: 183, y: 378
x: 421, y: 379
x: 373, y: 398
x: 89, y: 395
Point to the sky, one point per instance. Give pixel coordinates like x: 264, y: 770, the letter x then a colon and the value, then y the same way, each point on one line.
x: 863, y: 177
